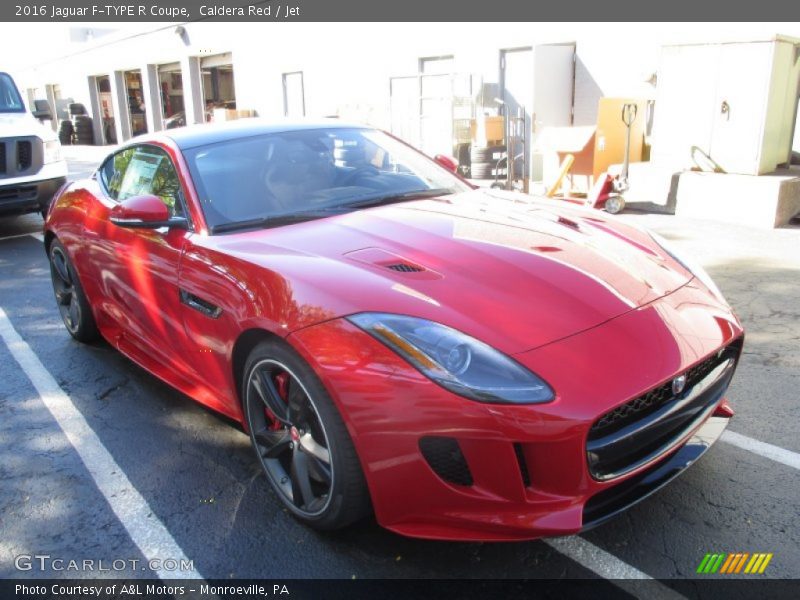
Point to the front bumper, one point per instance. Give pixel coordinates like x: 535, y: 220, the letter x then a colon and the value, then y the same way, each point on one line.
x: 618, y: 498
x: 528, y: 473
x: 28, y: 196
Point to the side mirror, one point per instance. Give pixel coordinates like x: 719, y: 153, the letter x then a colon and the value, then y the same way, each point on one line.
x: 145, y: 212
x: 41, y: 110
x: 448, y: 162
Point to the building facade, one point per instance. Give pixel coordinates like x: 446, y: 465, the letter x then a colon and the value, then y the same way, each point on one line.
x: 424, y: 81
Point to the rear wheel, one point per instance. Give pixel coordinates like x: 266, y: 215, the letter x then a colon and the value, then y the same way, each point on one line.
x: 300, y: 439
x: 72, y: 304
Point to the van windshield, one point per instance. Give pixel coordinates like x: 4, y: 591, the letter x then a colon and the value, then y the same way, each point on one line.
x: 10, y: 100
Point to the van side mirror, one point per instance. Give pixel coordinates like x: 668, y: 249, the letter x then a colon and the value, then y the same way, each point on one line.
x: 41, y: 110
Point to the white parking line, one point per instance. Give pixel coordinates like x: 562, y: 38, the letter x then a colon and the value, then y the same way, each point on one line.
x: 136, y: 516
x: 38, y: 236
x: 609, y: 566
x: 785, y: 457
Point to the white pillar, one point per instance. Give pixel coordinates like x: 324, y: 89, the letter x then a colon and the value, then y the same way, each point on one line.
x: 119, y: 99
x: 192, y: 90
x: 151, y: 93
x: 95, y: 111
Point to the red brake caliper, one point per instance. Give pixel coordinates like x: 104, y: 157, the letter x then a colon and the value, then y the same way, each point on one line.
x: 282, y: 385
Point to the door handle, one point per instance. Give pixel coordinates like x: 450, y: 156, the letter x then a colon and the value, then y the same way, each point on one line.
x: 200, y: 305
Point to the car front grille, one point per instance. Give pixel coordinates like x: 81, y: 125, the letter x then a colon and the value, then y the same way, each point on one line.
x: 20, y: 156
x: 650, y: 425
x: 24, y: 155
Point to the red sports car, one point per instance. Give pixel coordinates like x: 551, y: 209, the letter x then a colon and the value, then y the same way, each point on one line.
x: 468, y: 364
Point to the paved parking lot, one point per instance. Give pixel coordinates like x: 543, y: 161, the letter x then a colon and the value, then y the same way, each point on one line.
x: 197, y: 476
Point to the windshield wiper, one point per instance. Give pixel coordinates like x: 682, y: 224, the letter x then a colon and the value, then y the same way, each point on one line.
x: 401, y: 197
x: 267, y: 222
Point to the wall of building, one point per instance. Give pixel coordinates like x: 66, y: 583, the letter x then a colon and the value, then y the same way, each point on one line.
x: 346, y: 67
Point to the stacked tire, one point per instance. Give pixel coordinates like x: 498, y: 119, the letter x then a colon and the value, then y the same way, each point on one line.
x: 487, y: 162
x: 83, y: 131
x: 65, y: 132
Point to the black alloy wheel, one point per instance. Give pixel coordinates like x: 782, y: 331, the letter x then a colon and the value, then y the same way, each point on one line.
x: 300, y: 439
x: 290, y: 437
x: 71, y: 301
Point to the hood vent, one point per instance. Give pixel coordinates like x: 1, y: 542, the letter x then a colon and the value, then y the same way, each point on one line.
x: 405, y: 268
x: 383, y: 259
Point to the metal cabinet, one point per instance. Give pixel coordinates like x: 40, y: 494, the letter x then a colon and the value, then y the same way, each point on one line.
x: 733, y: 103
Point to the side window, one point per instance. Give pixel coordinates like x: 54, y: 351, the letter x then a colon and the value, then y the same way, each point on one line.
x: 143, y: 170
x: 113, y: 171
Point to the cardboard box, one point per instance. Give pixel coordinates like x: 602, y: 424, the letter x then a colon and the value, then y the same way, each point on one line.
x: 231, y: 114
x: 487, y: 129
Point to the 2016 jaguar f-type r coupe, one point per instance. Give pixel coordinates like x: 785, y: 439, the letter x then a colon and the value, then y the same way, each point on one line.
x: 468, y: 364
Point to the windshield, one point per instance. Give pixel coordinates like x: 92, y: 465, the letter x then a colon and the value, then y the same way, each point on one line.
x: 9, y: 96
x: 273, y: 178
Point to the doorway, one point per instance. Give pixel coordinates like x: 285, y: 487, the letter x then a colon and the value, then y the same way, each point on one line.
x: 108, y: 131
x: 516, y: 92
x: 136, y: 103
x: 294, y: 95
x: 537, y: 85
x: 170, y: 87
x: 218, y: 89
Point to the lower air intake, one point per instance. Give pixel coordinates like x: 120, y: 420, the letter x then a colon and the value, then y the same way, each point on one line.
x: 446, y: 459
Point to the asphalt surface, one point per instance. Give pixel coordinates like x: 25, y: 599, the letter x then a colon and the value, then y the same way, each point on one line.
x: 200, y: 478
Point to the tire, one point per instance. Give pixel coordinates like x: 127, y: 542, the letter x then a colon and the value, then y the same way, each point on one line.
x: 81, y: 121
x: 65, y: 131
x: 76, y: 108
x: 482, y: 154
x: 294, y: 425
x: 72, y: 304
x: 486, y: 170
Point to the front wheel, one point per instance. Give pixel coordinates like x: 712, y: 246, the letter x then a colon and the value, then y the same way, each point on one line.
x: 72, y: 303
x: 301, y: 440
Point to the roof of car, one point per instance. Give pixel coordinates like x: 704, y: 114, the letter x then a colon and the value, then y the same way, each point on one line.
x: 212, y: 133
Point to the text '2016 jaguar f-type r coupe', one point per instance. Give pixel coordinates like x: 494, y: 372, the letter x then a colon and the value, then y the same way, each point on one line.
x: 468, y: 364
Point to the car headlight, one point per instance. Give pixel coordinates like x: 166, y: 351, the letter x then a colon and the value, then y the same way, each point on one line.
x: 456, y: 361
x: 689, y: 264
x: 52, y: 151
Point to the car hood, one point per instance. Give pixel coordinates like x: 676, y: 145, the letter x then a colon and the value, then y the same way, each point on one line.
x: 514, y: 272
x: 23, y: 124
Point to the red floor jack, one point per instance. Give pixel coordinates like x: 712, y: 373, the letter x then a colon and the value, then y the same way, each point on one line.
x: 608, y: 189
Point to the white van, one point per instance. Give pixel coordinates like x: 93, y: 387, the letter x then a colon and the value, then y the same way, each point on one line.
x: 31, y: 166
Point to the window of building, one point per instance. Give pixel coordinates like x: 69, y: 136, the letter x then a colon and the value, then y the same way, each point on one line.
x: 294, y: 99
x: 218, y: 89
